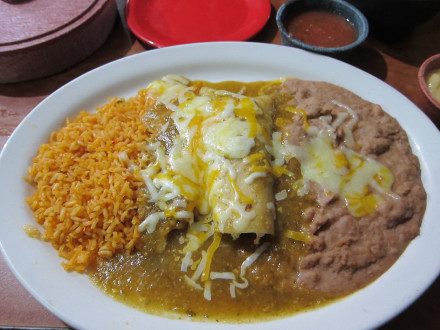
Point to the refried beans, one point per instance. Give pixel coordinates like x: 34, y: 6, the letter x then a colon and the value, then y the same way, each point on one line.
x: 348, y: 252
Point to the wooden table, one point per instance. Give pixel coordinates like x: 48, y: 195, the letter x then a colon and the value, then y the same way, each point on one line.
x: 394, y: 62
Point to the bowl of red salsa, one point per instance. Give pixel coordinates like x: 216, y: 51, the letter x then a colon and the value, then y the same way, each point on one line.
x: 330, y: 27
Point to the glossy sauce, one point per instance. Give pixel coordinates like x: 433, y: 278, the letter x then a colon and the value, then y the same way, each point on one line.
x: 321, y: 28
x: 151, y: 280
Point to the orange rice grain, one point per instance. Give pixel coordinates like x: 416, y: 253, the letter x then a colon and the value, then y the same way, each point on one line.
x: 88, y: 199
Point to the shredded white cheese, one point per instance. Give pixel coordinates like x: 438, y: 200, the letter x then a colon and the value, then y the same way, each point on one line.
x: 282, y: 195
x: 151, y: 221
x: 213, y: 129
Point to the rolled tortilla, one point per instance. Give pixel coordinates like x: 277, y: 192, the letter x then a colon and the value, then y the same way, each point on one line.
x: 242, y: 201
x: 215, y: 155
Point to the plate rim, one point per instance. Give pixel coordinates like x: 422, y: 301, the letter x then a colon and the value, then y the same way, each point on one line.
x: 234, y: 47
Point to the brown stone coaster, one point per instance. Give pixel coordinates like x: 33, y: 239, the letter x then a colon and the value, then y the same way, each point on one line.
x: 42, y: 37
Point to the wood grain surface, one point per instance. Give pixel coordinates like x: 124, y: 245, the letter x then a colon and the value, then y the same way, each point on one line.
x: 396, y: 62
x: 42, y: 37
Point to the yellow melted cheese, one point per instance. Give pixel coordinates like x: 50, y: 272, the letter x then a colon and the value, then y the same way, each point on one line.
x: 214, y: 129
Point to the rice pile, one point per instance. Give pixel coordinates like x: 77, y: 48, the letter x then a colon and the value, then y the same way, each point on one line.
x: 88, y: 197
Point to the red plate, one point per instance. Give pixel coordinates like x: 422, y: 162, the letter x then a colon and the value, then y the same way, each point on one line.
x: 162, y: 23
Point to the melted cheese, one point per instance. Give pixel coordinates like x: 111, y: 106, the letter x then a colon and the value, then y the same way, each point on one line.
x: 198, y: 173
x: 214, y: 129
x: 361, y: 181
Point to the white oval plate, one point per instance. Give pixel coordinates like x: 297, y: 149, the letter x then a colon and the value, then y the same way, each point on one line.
x: 76, y: 301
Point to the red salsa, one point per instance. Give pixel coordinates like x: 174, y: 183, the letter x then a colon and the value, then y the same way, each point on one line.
x: 321, y: 28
